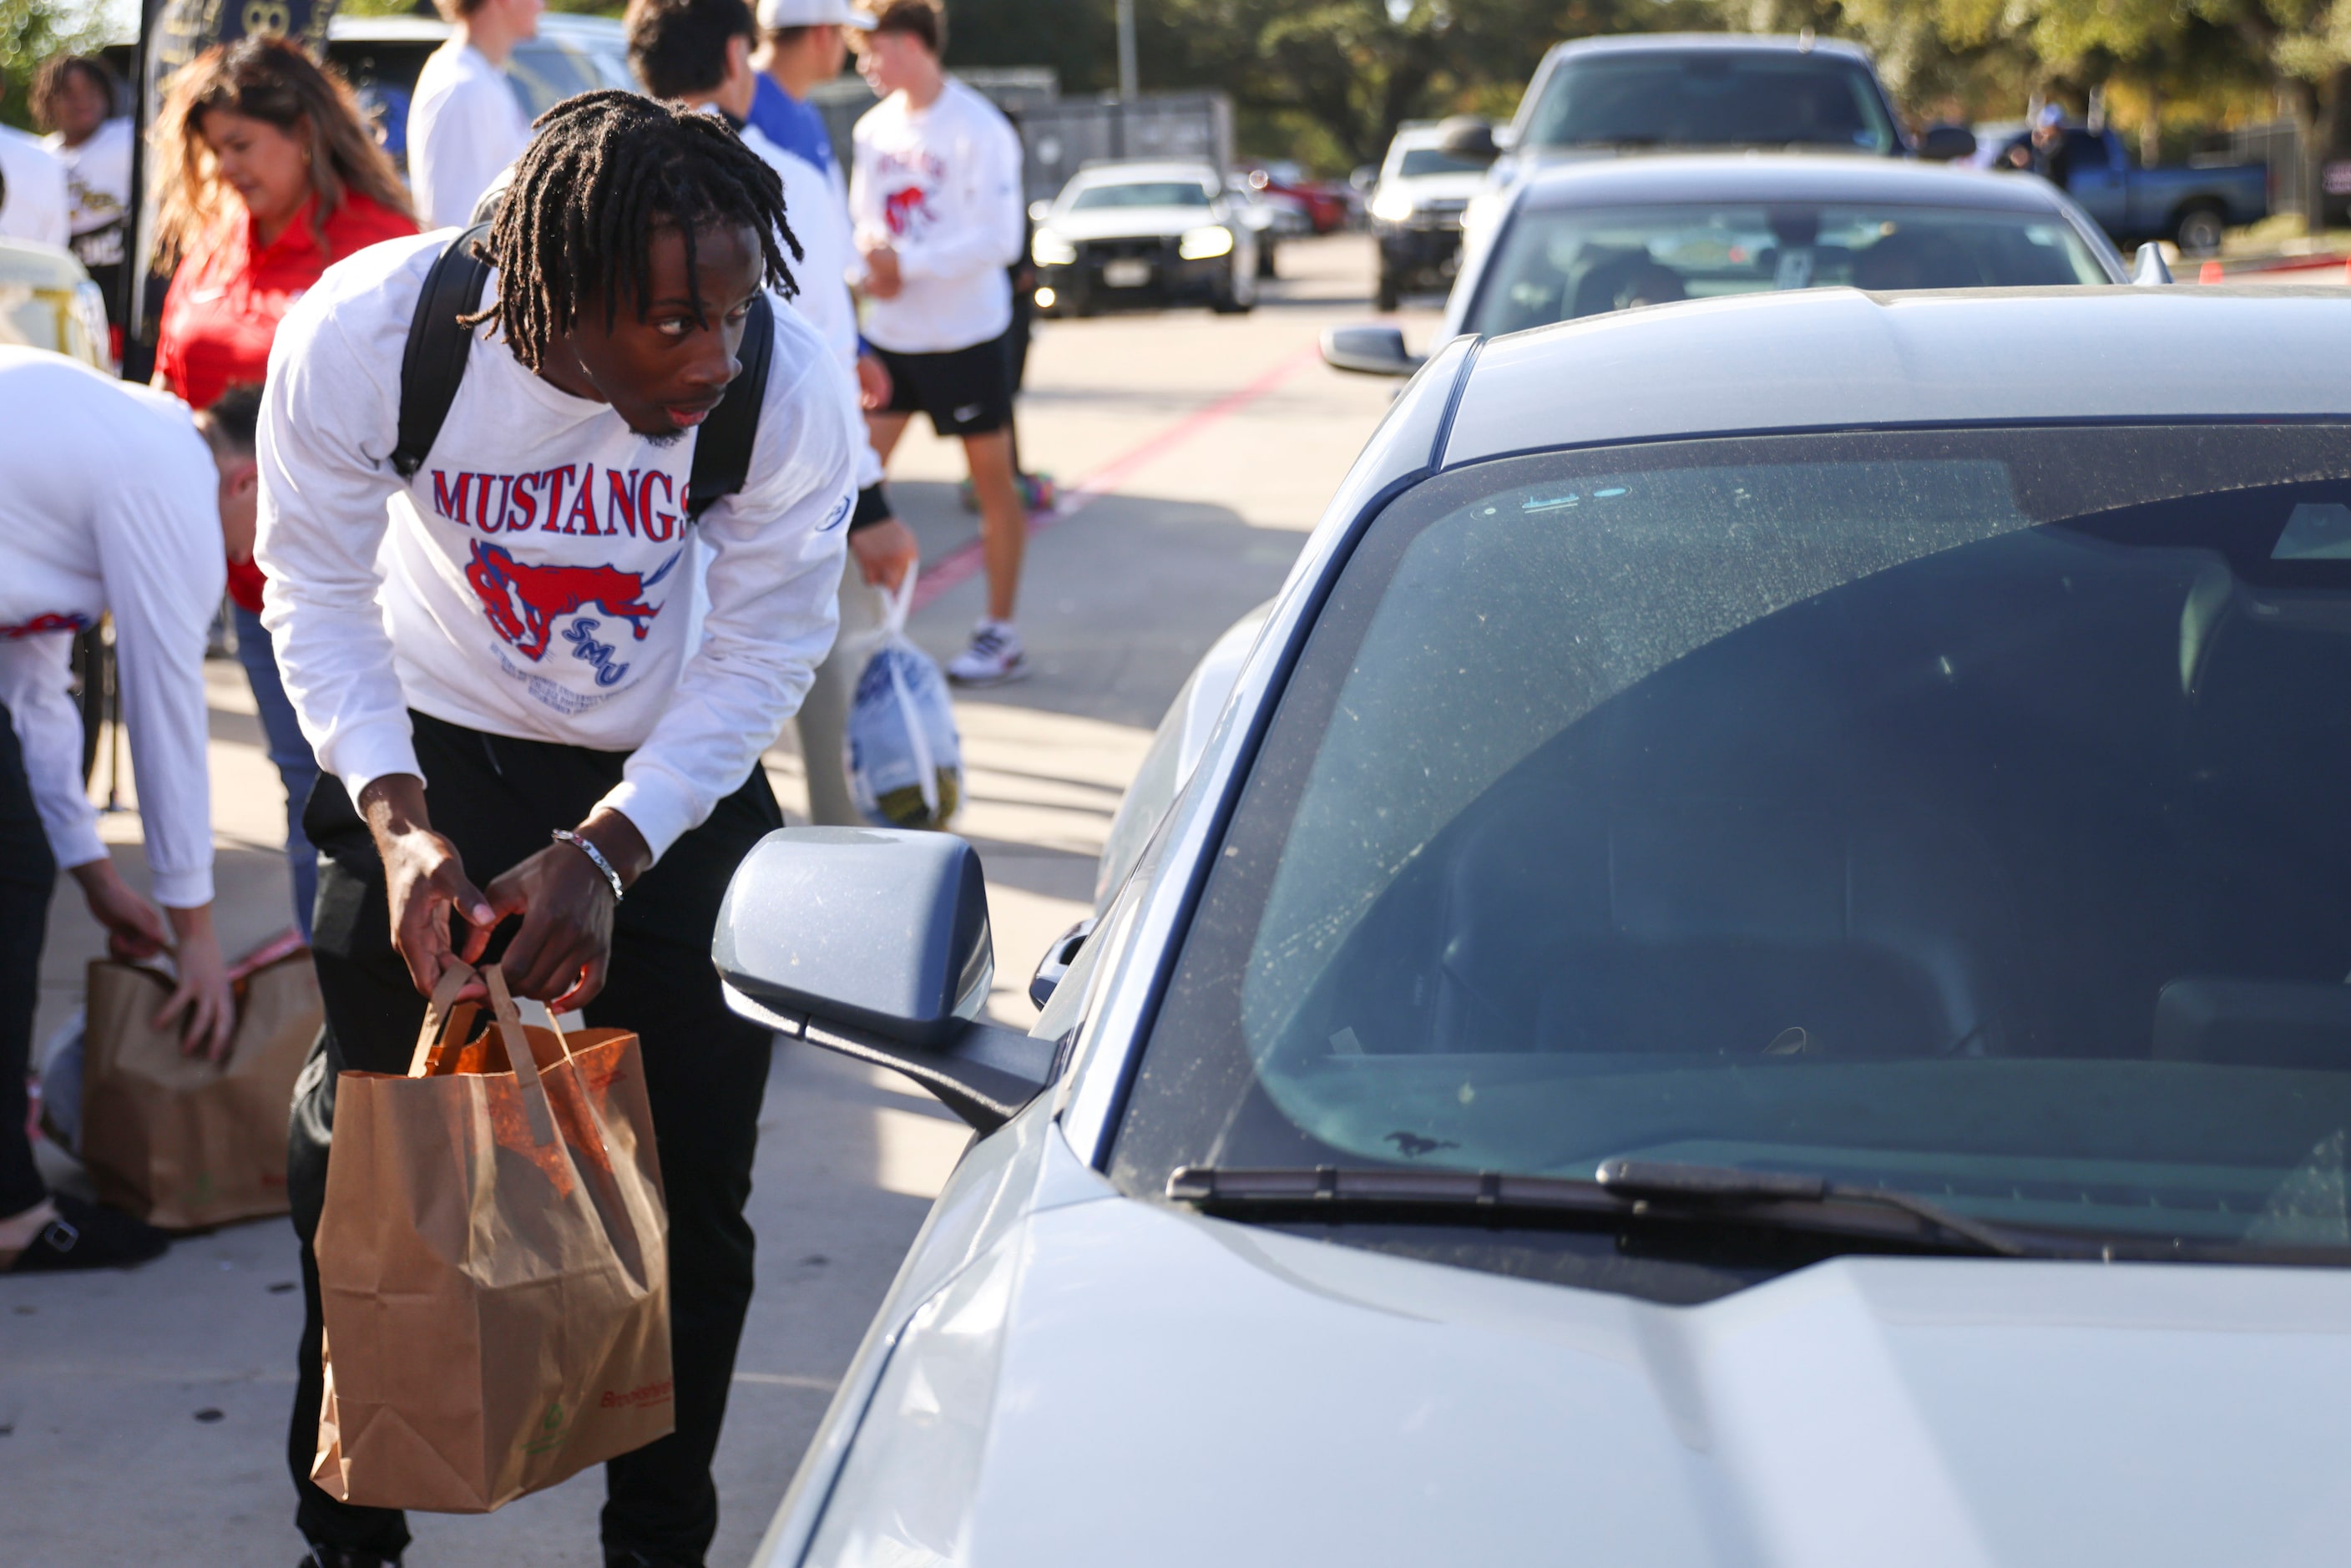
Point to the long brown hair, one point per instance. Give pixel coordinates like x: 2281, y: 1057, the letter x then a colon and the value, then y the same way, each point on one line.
x: 268, y: 79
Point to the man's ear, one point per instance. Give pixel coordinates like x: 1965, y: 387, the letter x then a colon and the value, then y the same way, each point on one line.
x: 241, y: 475
x: 738, y: 57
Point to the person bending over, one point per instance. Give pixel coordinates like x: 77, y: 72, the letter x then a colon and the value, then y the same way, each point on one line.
x: 529, y: 755
x: 113, y: 499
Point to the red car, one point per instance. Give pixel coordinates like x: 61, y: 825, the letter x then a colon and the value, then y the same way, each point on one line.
x: 1329, y: 206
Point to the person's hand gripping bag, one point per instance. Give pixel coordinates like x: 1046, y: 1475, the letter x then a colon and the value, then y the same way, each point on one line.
x: 493, y: 1262
x: 905, y: 760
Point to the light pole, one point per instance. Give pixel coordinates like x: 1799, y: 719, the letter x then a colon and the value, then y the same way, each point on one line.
x: 1126, y: 89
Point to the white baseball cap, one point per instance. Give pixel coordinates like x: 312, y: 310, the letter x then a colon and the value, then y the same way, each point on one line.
x: 775, y: 15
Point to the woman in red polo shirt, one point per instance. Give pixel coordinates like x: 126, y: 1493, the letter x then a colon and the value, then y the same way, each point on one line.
x: 267, y: 176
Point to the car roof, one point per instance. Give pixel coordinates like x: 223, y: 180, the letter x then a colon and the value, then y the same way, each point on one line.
x: 1709, y: 43
x: 1838, y: 358
x: 1136, y: 171
x: 1642, y: 180
x: 553, y: 26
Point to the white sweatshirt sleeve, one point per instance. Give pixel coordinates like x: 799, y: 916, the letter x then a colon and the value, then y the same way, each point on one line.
x: 776, y: 550
x: 159, y: 553
x: 323, y: 518
x: 36, y: 678
x: 159, y: 547
x: 982, y: 227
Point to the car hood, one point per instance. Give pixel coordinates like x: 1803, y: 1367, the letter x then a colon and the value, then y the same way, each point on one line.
x: 1453, y: 187
x: 1115, y: 1380
x: 1130, y: 223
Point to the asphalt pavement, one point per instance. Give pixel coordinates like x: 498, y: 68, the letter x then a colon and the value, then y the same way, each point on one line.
x: 143, y: 1415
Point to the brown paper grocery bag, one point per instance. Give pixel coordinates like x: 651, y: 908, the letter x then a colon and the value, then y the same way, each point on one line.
x: 493, y: 1264
x: 180, y: 1141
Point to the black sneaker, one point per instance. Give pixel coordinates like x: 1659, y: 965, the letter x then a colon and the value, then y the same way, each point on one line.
x: 334, y: 1557
x: 84, y: 1236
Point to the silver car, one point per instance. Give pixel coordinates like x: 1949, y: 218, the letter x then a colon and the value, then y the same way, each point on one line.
x: 1751, y: 972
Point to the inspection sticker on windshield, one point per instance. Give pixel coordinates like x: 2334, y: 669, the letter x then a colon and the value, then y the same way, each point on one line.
x: 2318, y: 530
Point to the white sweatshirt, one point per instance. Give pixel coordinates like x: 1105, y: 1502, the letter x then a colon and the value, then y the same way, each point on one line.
x: 108, y: 503
x: 34, y: 203
x: 465, y: 127
x: 819, y: 216
x: 533, y: 579
x: 941, y: 186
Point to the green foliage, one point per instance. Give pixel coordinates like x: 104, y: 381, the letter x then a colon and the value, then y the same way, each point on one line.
x: 30, y: 32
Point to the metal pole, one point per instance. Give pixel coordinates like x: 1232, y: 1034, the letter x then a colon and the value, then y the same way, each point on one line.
x: 1126, y: 88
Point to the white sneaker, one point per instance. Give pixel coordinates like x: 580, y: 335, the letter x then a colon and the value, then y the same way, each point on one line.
x: 994, y: 657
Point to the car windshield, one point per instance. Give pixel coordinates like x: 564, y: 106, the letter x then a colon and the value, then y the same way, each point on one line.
x: 1143, y: 194
x: 1418, y: 161
x: 1554, y: 266
x: 1954, y: 812
x: 1712, y: 99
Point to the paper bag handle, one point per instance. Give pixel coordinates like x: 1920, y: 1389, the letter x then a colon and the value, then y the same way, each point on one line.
x: 519, y: 1055
x: 437, y: 1016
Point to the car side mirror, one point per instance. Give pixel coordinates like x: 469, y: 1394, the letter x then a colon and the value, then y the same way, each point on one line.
x: 1947, y: 143
x: 874, y: 943
x: 1370, y: 350
x: 1469, y: 138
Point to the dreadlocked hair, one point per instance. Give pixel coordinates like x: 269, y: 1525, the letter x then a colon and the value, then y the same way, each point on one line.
x: 604, y: 170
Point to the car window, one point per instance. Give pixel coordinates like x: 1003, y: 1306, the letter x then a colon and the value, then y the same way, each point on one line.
x: 1957, y: 812
x: 544, y: 73
x: 1418, y: 161
x: 1557, y: 265
x: 1143, y: 194
x: 1711, y: 100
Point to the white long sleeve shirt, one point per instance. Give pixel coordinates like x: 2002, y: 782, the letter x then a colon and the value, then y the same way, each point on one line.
x: 34, y: 204
x: 941, y: 186
x: 108, y: 502
x: 533, y: 579
x: 464, y: 126
x: 819, y: 214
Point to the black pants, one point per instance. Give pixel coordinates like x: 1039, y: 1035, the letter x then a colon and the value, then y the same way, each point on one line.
x: 497, y: 798
x: 27, y: 875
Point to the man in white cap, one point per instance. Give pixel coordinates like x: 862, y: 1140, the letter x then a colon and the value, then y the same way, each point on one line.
x: 801, y: 48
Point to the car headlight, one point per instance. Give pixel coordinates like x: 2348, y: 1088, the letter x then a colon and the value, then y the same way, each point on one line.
x: 1050, y: 250
x: 1392, y: 208
x: 1201, y: 244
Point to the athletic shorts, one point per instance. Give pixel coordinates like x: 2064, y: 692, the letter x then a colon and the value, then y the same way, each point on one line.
x: 966, y: 392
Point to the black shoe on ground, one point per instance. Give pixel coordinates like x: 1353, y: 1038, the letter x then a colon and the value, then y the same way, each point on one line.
x: 328, y: 1557
x: 630, y: 1557
x: 84, y: 1236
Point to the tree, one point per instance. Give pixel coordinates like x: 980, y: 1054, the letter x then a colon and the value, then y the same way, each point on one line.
x: 30, y: 32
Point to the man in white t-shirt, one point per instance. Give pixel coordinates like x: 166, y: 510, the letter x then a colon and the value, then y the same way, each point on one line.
x: 32, y: 200
x: 464, y: 124
x: 493, y: 660
x: 697, y: 53
x: 936, y: 197
x: 113, y: 499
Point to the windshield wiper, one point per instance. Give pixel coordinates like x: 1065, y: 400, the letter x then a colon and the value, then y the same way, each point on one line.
x: 1621, y: 1191
x: 1651, y: 1180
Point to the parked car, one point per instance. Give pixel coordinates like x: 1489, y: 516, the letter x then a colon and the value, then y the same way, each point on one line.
x: 383, y: 56
x: 1144, y: 233
x: 1417, y: 206
x: 1580, y: 239
x: 1329, y: 206
x: 2190, y: 206
x: 47, y: 301
x: 1846, y: 1004
x: 1270, y: 218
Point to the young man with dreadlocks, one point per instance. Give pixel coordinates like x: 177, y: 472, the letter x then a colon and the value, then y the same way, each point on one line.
x: 495, y: 663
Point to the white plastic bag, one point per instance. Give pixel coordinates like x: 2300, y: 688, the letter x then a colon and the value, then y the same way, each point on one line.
x: 905, y: 758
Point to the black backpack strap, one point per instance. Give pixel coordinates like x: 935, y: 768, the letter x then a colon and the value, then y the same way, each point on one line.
x: 435, y: 361
x: 722, y: 453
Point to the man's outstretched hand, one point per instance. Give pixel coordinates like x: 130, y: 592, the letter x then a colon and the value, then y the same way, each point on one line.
x: 426, y: 884
x: 561, y: 955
